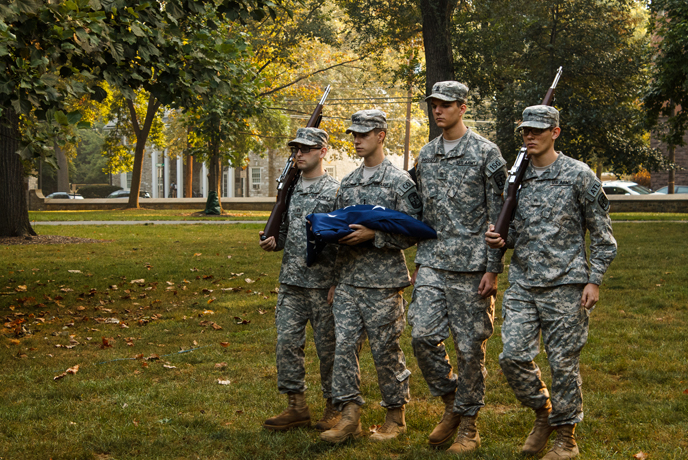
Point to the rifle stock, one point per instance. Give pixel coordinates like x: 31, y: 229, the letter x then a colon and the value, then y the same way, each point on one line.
x: 516, y: 174
x: 287, y: 180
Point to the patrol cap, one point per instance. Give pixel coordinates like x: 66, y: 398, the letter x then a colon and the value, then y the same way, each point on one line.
x: 310, y: 137
x: 364, y: 121
x: 449, y: 91
x: 540, y: 116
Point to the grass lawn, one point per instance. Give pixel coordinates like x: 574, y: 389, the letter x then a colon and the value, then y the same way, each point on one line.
x: 620, y: 216
x: 143, y: 214
x: 158, y: 315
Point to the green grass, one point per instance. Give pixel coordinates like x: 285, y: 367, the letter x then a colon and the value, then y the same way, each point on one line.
x: 619, y: 216
x: 143, y: 214
x: 634, y: 366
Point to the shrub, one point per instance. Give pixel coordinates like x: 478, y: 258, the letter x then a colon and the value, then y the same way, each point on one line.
x: 97, y: 190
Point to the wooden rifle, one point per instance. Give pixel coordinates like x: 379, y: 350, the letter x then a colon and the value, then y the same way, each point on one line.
x: 287, y: 180
x: 516, y: 174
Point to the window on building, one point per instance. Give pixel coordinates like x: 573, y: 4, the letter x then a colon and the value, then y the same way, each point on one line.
x: 129, y: 174
x: 255, y: 178
x: 330, y: 170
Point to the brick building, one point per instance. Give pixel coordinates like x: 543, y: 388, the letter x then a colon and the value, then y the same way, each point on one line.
x: 660, y: 179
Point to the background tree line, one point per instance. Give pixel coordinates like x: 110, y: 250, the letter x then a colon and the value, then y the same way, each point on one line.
x: 216, y: 80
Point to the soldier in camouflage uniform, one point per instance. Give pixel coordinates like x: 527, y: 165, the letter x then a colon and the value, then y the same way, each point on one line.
x: 371, y: 278
x: 552, y: 289
x: 303, y: 290
x: 460, y: 179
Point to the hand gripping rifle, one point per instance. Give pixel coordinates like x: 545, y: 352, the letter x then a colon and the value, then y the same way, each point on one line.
x: 516, y: 174
x: 287, y: 180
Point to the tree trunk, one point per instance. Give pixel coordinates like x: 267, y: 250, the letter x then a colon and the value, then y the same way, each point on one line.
x: 439, y: 59
x: 142, y: 133
x: 14, y: 211
x: 63, y: 169
x: 188, y: 177
x: 505, y: 124
x: 214, y: 177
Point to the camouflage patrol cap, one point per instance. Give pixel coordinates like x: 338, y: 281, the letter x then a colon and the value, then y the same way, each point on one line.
x: 364, y: 121
x: 449, y: 91
x: 310, y: 137
x: 540, y: 116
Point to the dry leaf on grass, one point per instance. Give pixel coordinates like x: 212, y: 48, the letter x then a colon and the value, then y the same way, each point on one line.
x: 141, y: 281
x: 197, y: 254
x: 106, y: 343
x: 226, y: 344
x: 223, y: 382
x: 220, y: 365
x: 241, y: 321
x: 167, y: 366
x: 374, y: 428
x: 641, y: 455
x: 72, y: 370
x: 74, y: 271
x: 249, y: 281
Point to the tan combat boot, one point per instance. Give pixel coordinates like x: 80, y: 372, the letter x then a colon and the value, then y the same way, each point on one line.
x: 564, y: 445
x: 348, y: 427
x: 446, y: 429
x: 295, y: 415
x: 467, y: 439
x: 330, y: 417
x: 539, y: 435
x: 395, y: 424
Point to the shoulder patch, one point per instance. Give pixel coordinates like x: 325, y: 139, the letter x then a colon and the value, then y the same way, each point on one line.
x: 495, y: 166
x: 603, y: 201
x: 405, y: 186
x: 593, y: 189
x: 407, y: 190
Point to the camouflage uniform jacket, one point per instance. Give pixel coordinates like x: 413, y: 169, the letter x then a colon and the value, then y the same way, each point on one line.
x: 318, y: 197
x: 461, y: 192
x: 381, y: 264
x: 548, y: 230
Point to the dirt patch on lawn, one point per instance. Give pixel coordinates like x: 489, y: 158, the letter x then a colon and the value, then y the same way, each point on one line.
x: 47, y: 239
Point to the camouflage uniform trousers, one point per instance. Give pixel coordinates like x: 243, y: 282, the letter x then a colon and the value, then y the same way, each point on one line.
x: 379, y: 312
x: 295, y: 307
x: 445, y: 301
x: 555, y: 312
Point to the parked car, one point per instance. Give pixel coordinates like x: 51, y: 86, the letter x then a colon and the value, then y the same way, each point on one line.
x: 125, y: 194
x: 624, y: 187
x: 65, y: 196
x: 677, y: 189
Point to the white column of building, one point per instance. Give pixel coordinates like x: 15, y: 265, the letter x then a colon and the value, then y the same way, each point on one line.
x: 204, y: 180
x: 123, y: 181
x: 230, y: 182
x: 154, y: 173
x: 166, y: 185
x: 180, y: 177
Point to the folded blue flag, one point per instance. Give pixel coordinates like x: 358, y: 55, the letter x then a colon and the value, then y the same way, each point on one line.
x: 330, y: 227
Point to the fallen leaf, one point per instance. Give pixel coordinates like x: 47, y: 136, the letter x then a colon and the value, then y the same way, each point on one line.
x: 374, y: 428
x: 223, y: 382
x: 208, y: 312
x: 141, y: 281
x: 153, y: 357
x: 220, y: 365
x: 58, y: 377
x: 14, y: 342
x: 249, y: 281
x: 211, y: 301
x: 685, y: 392
x: 105, y: 344
x: 226, y: 344
x: 20, y: 288
x: 166, y: 366
x: 216, y: 326
x: 74, y: 271
x: 261, y: 311
x: 73, y: 370
x: 640, y: 455
x: 197, y: 254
